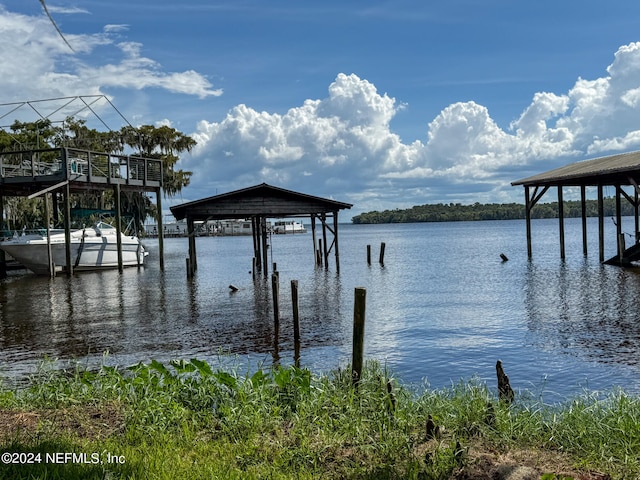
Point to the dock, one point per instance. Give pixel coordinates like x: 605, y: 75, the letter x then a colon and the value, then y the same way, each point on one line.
x: 616, y: 171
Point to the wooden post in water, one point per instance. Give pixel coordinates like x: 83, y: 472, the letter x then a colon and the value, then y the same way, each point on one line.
x: 313, y: 238
x: 527, y: 208
x: 619, y: 222
x: 47, y: 214
x: 265, y: 254
x: 583, y: 198
x: 561, y: 221
x: 276, y: 303
x: 601, y: 223
x: 335, y: 241
x: 382, y: 247
x: 368, y: 254
x: 621, y: 248
x: 359, y: 308
x: 296, y: 322
x: 116, y: 193
x: 67, y: 229
x: 3, y: 259
x: 325, y: 245
x: 160, y: 229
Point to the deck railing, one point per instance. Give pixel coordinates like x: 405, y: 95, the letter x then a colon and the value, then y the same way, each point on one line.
x: 56, y: 164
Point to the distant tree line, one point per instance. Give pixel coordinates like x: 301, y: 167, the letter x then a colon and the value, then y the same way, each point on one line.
x: 456, y: 212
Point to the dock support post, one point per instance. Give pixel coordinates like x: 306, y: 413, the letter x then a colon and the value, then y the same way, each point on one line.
x: 265, y: 255
x: 325, y: 251
x: 47, y: 215
x: 527, y: 201
x: 67, y: 229
x: 160, y: 228
x: 382, y: 248
x: 335, y: 240
x: 561, y: 221
x: 3, y: 258
x: 583, y: 198
x: 601, y: 223
x: 116, y: 193
x: 368, y: 254
x: 635, y: 216
x: 618, y: 220
x: 313, y: 237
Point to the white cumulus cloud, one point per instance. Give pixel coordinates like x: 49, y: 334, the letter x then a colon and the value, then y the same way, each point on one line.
x: 343, y: 146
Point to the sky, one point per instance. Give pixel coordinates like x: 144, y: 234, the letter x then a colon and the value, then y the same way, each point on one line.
x: 381, y: 104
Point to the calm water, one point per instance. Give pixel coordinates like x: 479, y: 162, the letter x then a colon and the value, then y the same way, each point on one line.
x: 443, y: 308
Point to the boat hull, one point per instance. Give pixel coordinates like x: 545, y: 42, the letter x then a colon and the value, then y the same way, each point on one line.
x: 92, y: 253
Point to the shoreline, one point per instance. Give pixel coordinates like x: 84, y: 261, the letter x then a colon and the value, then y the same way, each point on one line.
x: 187, y: 420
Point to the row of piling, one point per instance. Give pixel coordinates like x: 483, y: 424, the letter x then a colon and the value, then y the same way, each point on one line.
x: 357, y: 360
x: 380, y: 258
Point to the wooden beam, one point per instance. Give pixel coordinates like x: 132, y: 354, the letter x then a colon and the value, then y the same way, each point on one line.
x: 535, y: 197
x: 48, y: 189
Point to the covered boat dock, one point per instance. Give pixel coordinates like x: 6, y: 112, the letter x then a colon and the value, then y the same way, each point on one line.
x: 43, y: 172
x: 259, y: 203
x: 618, y: 171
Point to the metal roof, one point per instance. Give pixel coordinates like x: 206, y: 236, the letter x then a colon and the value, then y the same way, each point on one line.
x: 260, y: 200
x: 623, y: 169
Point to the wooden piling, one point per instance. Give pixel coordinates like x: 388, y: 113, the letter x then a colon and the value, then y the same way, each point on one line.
x: 296, y: 322
x: 382, y: 247
x: 189, y: 268
x: 359, y: 309
x: 47, y: 214
x: 276, y: 304
x: 368, y: 254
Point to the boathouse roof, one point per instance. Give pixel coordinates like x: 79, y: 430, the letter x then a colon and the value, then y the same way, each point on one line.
x: 623, y: 169
x: 263, y: 200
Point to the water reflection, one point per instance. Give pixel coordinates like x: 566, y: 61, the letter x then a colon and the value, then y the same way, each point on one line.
x: 590, y: 311
x: 443, y: 307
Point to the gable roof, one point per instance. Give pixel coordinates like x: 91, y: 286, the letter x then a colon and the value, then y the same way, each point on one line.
x: 263, y: 200
x: 610, y: 170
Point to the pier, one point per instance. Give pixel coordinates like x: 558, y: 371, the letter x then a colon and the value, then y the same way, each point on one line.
x: 617, y: 171
x: 259, y: 203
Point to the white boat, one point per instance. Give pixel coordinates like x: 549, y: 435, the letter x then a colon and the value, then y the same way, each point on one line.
x: 288, y: 226
x: 92, y: 248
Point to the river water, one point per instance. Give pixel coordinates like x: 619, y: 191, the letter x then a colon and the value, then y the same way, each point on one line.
x: 443, y: 308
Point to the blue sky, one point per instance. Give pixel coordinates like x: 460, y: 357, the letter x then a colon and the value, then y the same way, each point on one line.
x: 379, y: 104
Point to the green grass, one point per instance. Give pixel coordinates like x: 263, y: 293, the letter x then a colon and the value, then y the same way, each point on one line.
x: 188, y: 420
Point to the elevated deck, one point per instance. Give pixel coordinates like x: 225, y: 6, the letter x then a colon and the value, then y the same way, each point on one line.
x: 25, y: 172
